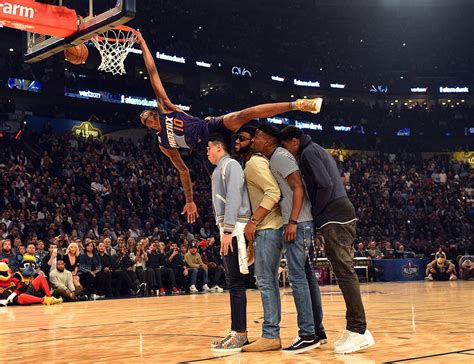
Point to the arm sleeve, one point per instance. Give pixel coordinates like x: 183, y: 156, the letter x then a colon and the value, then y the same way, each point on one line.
x: 258, y: 173
x: 70, y: 283
x: 319, y: 177
x: 234, y: 182
x: 82, y: 264
x: 284, y: 163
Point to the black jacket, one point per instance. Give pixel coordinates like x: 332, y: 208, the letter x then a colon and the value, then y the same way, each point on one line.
x: 326, y: 192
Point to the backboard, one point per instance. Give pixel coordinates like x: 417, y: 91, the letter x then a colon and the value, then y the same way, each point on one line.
x: 94, y: 17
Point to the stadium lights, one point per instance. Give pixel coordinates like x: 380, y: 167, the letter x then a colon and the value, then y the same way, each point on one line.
x: 203, y: 64
x: 135, y: 51
x: 419, y: 89
x: 278, y: 78
x: 11, y: 49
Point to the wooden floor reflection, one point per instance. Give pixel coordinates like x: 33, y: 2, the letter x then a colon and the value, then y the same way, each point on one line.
x: 416, y: 322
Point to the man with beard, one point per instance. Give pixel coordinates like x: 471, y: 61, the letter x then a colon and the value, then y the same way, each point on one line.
x: 264, y: 231
x: 63, y: 284
x: 7, y: 253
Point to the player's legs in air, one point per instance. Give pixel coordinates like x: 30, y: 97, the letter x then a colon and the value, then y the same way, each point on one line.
x: 234, y: 120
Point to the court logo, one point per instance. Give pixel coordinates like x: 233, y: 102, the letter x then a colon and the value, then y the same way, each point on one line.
x: 409, y: 270
x: 87, y: 130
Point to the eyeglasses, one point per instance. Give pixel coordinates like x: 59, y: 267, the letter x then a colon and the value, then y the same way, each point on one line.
x: 241, y: 138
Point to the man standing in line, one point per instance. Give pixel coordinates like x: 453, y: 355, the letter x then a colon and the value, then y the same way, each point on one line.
x: 232, y: 211
x: 264, y: 229
x: 298, y: 223
x: 334, y: 214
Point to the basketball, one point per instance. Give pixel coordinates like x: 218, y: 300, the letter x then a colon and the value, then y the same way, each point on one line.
x: 77, y: 54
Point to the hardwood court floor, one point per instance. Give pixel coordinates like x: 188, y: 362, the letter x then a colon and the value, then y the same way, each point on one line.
x: 416, y: 322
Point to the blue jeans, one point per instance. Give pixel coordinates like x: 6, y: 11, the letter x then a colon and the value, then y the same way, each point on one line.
x: 267, y: 254
x: 305, y: 288
x: 194, y: 274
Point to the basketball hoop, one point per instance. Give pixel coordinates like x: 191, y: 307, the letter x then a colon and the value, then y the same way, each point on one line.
x: 114, y: 46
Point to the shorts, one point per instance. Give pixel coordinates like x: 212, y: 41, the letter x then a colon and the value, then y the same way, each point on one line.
x: 215, y: 124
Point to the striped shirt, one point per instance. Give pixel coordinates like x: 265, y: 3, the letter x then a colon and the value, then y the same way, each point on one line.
x: 282, y: 164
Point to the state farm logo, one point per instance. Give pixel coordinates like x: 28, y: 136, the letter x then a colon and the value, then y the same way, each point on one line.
x: 17, y: 10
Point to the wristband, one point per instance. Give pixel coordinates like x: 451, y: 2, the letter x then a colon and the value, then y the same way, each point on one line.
x: 293, y: 222
x: 254, y: 220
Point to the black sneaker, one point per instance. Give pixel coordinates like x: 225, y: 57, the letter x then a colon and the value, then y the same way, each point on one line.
x: 302, y: 344
x: 323, y: 339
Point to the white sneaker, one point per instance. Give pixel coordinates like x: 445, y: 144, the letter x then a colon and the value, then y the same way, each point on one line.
x: 206, y: 288
x: 355, y: 342
x: 343, y: 338
x: 217, y: 289
x: 193, y: 289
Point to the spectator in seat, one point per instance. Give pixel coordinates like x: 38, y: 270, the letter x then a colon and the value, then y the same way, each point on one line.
x: 104, y: 277
x: 124, y: 276
x: 40, y: 252
x: 157, y: 263
x: 31, y: 249
x: 7, y: 253
x: 360, y: 252
x: 215, y: 270
x: 139, y: 258
x: 108, y: 247
x: 195, y: 264
x: 63, y: 284
x: 49, y: 261
x: 71, y: 262
x: 175, y: 261
x: 89, y: 266
x: 373, y: 252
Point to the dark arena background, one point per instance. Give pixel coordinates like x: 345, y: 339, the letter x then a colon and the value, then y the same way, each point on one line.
x: 102, y: 258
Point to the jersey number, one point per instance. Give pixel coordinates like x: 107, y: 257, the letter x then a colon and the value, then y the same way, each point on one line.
x: 178, y: 125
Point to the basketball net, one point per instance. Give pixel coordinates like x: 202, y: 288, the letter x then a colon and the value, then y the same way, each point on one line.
x: 114, y: 46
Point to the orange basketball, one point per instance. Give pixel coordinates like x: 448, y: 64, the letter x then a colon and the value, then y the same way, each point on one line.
x: 77, y: 54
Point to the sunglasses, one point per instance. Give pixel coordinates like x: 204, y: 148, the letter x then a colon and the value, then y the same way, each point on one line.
x: 241, y: 138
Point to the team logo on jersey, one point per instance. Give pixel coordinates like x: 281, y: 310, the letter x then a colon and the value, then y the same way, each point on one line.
x: 170, y: 132
x: 409, y: 270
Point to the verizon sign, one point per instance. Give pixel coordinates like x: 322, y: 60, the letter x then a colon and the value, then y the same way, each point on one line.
x: 17, y: 10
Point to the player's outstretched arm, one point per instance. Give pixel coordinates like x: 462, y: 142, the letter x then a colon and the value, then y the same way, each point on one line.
x: 190, y: 209
x: 155, y: 79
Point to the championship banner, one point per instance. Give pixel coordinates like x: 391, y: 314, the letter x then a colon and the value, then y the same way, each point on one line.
x: 464, y: 157
x: 341, y: 154
x: 28, y: 15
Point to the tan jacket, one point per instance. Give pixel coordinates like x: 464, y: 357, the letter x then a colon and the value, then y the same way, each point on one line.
x: 263, y: 191
x: 193, y: 261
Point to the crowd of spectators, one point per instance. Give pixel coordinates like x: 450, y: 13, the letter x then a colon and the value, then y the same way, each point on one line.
x: 124, y: 200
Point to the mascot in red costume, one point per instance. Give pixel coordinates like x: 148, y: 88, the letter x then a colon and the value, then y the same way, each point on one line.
x: 26, y: 286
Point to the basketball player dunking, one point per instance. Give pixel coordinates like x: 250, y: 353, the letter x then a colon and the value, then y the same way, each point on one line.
x: 176, y: 129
